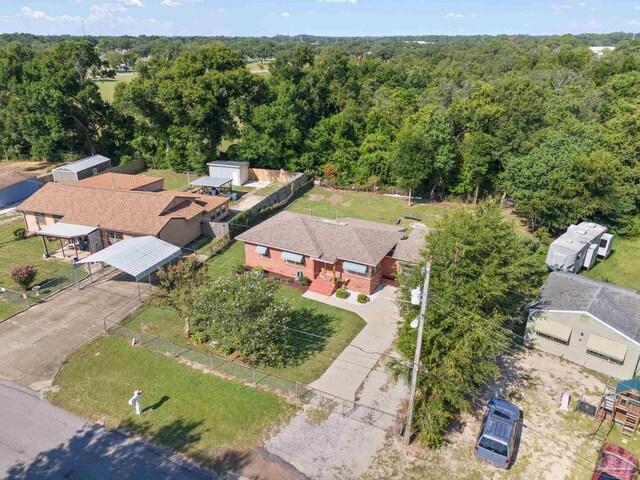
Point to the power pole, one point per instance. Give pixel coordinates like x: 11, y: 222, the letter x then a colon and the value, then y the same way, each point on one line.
x: 416, y: 358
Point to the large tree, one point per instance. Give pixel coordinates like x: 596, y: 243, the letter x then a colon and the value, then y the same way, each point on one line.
x: 242, y: 313
x: 479, y: 264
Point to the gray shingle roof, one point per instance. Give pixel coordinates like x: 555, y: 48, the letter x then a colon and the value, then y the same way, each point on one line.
x: 84, y: 163
x: 618, y: 307
x: 351, y: 239
x: 408, y: 249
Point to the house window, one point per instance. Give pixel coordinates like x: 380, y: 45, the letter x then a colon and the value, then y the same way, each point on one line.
x: 605, y: 357
x: 291, y: 258
x: 357, y: 269
x: 94, y: 171
x: 114, y: 237
x: 57, y: 218
x: 552, y: 338
x: 262, y: 251
x: 293, y: 262
x: 41, y: 220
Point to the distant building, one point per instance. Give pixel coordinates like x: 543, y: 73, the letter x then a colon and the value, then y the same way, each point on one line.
x: 237, y: 172
x: 588, y: 322
x: 86, y: 167
x: 123, y: 181
x: 16, y: 186
x: 599, y: 51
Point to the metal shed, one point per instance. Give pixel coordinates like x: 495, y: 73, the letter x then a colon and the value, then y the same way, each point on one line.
x: 84, y: 168
x: 238, y: 172
x: 138, y: 256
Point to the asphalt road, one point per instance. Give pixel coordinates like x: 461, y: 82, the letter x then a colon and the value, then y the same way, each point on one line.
x: 39, y: 440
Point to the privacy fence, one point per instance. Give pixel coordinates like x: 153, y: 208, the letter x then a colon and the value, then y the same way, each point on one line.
x: 233, y: 369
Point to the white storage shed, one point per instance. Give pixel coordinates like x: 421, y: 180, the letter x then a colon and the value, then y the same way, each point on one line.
x: 237, y: 172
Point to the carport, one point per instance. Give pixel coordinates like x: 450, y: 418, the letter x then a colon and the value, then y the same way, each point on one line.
x: 212, y: 184
x: 138, y: 257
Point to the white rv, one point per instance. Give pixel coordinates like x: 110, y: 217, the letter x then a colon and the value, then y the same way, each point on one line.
x: 578, y: 247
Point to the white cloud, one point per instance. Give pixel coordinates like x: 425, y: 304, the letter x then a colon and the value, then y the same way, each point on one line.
x: 108, y: 7
x: 26, y: 12
x: 581, y: 4
x: 171, y: 3
x: 134, y: 3
x: 286, y: 14
x: 453, y: 15
x: 635, y: 23
x: 560, y: 8
x: 338, y: 1
x: 636, y: 8
x: 36, y: 14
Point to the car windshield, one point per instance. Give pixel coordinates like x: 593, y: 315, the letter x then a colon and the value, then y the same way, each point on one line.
x: 607, y: 476
x: 493, y: 446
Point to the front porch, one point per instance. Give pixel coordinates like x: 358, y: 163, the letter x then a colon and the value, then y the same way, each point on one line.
x: 67, y: 240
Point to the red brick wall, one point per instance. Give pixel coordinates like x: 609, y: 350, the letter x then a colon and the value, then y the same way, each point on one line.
x: 389, y: 267
x: 359, y: 284
x: 275, y: 264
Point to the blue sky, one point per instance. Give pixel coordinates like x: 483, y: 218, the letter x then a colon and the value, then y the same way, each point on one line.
x: 318, y: 17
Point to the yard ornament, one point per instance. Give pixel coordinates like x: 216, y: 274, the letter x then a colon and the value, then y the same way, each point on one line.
x: 135, y: 400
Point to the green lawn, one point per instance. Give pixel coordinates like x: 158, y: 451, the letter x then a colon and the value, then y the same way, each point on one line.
x: 184, y: 408
x: 622, y: 266
x: 313, y: 355
x: 324, y: 202
x: 269, y: 189
x: 172, y: 180
x: 18, y: 252
x: 107, y: 87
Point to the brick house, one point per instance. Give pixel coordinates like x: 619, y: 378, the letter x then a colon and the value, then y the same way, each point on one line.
x: 364, y: 253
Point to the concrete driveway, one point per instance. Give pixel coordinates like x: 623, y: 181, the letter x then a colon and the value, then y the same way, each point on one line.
x: 356, y: 362
x: 38, y: 440
x: 34, y: 343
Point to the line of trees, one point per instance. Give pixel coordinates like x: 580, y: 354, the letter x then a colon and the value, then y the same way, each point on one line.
x: 542, y: 121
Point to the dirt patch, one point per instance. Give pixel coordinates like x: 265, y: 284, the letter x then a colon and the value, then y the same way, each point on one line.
x: 553, y: 444
x: 335, y: 199
x: 314, y: 197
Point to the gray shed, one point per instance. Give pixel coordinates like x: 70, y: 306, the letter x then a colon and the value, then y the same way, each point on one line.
x: 84, y: 168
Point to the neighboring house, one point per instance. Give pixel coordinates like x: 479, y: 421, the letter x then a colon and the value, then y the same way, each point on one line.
x: 123, y: 181
x: 16, y: 186
x: 175, y: 217
x: 87, y: 167
x: 588, y: 322
x: 365, y: 253
x: 238, y: 172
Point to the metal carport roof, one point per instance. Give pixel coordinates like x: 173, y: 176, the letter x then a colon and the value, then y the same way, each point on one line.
x: 138, y: 256
x: 210, y: 182
x: 66, y: 230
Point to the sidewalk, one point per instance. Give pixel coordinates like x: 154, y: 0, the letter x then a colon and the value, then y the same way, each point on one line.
x: 346, y: 374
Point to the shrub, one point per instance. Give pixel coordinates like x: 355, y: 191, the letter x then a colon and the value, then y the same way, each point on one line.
x: 20, y: 233
x: 362, y: 298
x: 239, y: 269
x: 304, y: 281
x: 258, y: 270
x: 24, y: 275
x: 342, y: 293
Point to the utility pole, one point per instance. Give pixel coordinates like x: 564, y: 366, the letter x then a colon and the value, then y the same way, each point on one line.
x: 416, y: 358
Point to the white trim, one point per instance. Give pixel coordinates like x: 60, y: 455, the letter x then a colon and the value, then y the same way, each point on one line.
x: 582, y: 312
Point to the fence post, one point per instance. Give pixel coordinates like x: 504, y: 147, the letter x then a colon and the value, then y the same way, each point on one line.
x: 297, y: 396
x: 173, y: 348
x: 210, y: 361
x: 254, y: 375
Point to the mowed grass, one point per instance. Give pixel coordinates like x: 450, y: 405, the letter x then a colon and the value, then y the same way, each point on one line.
x: 621, y: 267
x: 314, y: 355
x: 172, y: 180
x: 184, y: 408
x: 18, y: 252
x: 107, y: 87
x: 324, y: 202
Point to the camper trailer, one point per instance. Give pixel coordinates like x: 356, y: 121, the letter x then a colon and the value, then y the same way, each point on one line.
x: 578, y: 247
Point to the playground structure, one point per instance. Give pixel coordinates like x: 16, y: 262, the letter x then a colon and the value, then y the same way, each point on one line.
x: 619, y: 406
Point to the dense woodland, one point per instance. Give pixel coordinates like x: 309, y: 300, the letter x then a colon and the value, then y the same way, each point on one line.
x: 541, y: 122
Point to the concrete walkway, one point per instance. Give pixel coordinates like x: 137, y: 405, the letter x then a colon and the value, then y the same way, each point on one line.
x: 34, y: 343
x: 346, y: 374
x: 38, y: 440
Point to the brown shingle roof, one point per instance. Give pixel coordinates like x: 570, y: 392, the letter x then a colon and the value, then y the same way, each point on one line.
x: 350, y: 239
x: 121, y: 181
x: 408, y: 249
x: 127, y: 211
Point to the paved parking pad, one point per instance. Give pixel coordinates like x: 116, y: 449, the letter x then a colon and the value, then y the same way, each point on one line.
x: 34, y: 343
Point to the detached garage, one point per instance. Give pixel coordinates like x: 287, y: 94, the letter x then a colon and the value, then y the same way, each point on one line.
x: 237, y: 172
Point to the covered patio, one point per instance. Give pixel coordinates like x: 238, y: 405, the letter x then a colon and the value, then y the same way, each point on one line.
x: 139, y: 257
x: 213, y: 185
x: 80, y: 238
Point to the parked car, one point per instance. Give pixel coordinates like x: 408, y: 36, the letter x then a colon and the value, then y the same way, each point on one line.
x: 498, y: 432
x: 615, y: 463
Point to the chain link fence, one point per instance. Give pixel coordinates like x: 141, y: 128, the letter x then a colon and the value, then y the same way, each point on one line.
x: 229, y: 368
